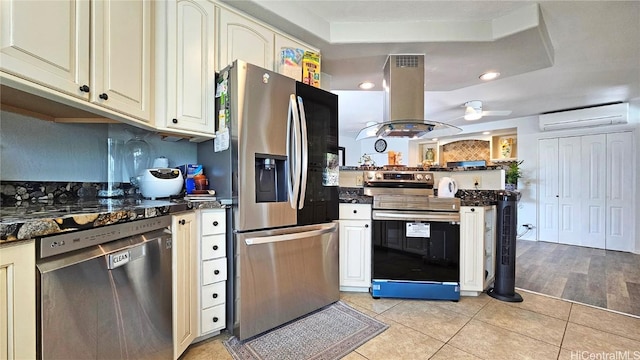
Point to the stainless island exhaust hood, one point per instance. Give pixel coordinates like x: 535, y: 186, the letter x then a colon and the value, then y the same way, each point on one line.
x: 404, y: 102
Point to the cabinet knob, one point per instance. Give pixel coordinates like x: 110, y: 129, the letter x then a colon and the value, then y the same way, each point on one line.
x: 175, y: 121
x: 366, y: 225
x: 215, y: 247
x: 215, y: 295
x: 215, y: 223
x: 182, y: 222
x: 557, y: 196
x: 104, y: 96
x: 215, y: 319
x: 85, y: 88
x: 473, y: 209
x: 216, y: 272
x: 355, y: 211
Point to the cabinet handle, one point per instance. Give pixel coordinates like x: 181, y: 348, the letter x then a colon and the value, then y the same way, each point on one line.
x: 182, y: 222
x: 215, y: 223
x: 215, y: 247
x: 104, y: 96
x: 355, y: 211
x: 216, y: 272
x: 215, y: 295
x: 84, y: 88
x: 366, y: 225
x: 175, y: 121
x: 473, y: 209
x: 215, y: 319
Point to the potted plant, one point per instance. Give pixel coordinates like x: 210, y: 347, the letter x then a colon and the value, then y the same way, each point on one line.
x: 512, y: 174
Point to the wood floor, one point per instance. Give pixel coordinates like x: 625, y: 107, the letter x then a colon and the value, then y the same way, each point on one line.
x: 603, y: 278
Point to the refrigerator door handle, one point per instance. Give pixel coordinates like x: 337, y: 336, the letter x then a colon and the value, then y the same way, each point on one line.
x: 293, y: 149
x: 286, y: 237
x: 305, y: 152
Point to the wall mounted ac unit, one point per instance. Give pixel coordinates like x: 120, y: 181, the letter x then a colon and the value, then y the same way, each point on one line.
x: 589, y: 117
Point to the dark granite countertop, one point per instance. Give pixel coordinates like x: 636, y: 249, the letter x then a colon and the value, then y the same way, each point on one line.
x: 27, y: 220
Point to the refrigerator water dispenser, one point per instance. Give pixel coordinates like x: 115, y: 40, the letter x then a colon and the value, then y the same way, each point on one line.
x: 271, y: 184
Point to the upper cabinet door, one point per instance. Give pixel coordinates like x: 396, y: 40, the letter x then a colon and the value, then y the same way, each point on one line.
x: 241, y: 38
x: 121, y: 40
x: 47, y: 42
x: 191, y: 66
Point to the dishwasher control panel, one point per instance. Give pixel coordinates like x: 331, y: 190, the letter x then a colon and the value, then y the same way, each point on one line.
x: 71, y: 241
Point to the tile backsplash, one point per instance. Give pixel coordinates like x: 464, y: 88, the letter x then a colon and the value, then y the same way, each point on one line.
x: 466, y: 150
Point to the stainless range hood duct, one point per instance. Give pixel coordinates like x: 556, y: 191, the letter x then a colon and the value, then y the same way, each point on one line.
x: 404, y: 88
x: 404, y: 102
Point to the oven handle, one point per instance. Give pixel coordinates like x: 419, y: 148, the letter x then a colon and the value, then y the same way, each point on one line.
x: 415, y: 216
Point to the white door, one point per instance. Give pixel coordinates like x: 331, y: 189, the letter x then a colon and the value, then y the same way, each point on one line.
x: 241, y: 38
x: 184, y: 281
x: 355, y: 253
x: 548, y: 190
x: 121, y: 45
x: 592, y: 190
x: 569, y: 155
x: 620, y: 207
x: 47, y: 42
x: 191, y: 65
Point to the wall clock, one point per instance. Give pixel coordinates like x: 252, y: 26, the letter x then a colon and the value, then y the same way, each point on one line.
x: 380, y: 145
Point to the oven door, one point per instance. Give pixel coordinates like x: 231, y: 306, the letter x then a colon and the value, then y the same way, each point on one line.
x: 416, y: 246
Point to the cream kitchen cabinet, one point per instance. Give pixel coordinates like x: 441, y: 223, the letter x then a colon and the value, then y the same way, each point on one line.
x: 91, y: 50
x: 241, y: 37
x: 185, y: 280
x: 185, y: 67
x: 477, y: 248
x: 213, y: 271
x: 355, y: 247
x: 18, y: 300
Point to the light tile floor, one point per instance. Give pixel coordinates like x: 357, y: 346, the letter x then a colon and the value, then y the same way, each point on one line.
x: 541, y: 327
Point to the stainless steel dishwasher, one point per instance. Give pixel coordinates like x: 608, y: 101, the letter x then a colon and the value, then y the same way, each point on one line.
x: 105, y: 293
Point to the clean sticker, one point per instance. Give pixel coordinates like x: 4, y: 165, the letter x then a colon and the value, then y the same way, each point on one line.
x: 418, y: 229
x: 119, y: 259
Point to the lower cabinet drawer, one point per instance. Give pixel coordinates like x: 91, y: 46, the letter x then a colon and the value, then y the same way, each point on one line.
x: 213, y: 294
x: 213, y: 318
x: 214, y: 271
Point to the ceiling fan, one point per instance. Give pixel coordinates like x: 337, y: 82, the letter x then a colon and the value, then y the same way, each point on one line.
x: 473, y: 111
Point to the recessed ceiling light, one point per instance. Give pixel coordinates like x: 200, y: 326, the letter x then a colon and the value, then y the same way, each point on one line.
x: 486, y: 133
x: 489, y: 75
x: 366, y: 85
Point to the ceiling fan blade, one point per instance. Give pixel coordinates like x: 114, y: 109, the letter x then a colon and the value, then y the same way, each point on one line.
x: 496, y: 113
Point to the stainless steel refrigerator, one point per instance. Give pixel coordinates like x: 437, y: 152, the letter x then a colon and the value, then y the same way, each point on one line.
x: 275, y: 161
